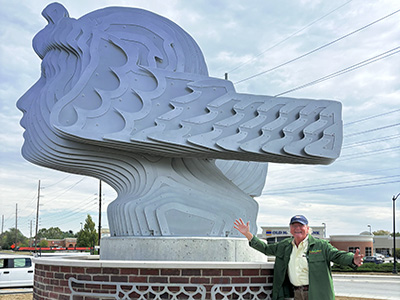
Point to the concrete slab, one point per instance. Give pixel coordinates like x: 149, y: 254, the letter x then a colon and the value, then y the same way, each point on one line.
x: 179, y: 249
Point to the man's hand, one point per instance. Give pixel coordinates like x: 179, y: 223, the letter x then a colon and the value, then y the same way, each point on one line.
x: 243, y: 228
x: 358, y: 259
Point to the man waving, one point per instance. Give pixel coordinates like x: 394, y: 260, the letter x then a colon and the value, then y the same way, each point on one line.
x: 302, y: 264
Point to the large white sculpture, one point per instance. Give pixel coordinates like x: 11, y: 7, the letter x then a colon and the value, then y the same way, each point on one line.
x: 125, y: 96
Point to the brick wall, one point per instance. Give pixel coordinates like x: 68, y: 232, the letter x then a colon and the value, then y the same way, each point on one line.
x: 51, y: 281
x: 344, y: 245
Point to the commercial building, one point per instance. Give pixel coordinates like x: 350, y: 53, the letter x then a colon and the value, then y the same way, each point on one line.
x: 368, y: 243
x: 61, y: 243
x: 384, y: 244
x: 277, y: 233
x: 352, y: 242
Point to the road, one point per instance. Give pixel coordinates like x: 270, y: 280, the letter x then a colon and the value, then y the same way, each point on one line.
x: 367, y: 286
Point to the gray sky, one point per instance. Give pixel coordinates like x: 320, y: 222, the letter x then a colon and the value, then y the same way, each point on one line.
x: 244, y: 39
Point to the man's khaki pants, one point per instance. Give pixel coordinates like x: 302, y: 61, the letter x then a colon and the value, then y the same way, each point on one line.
x: 300, y: 295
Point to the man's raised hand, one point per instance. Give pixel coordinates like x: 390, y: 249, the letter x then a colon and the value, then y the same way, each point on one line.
x: 243, y: 228
x: 357, y: 259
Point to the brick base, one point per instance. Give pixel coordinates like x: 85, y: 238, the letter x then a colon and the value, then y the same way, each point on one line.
x: 93, y: 279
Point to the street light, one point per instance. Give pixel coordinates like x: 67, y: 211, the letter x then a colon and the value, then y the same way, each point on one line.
x: 370, y: 229
x: 324, y: 229
x: 394, y: 233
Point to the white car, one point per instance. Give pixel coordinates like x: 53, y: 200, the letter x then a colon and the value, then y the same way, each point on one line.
x: 16, y: 270
x: 379, y: 255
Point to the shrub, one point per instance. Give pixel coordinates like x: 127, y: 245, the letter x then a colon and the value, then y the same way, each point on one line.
x: 367, y: 267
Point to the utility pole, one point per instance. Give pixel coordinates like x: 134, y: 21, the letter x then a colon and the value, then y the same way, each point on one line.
x: 2, y: 223
x: 394, y: 234
x: 30, y: 235
x: 16, y: 223
x: 37, y: 216
x: 99, y: 211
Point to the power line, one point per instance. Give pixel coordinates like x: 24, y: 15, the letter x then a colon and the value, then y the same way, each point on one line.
x: 329, y: 177
x: 368, y: 153
x: 61, y: 218
x: 376, y: 151
x: 61, y: 180
x: 371, y: 130
x: 81, y: 208
x: 372, y: 117
x: 345, y: 70
x: 65, y: 215
x: 371, y: 141
x: 317, y: 49
x: 290, y: 36
x: 349, y: 157
x: 285, y: 189
x: 331, y: 189
x: 72, y: 218
x: 66, y: 190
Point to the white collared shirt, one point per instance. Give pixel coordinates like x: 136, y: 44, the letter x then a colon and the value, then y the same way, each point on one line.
x: 298, y: 264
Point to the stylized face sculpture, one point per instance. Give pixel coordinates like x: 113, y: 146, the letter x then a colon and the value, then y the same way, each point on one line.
x: 88, y: 65
x: 125, y: 96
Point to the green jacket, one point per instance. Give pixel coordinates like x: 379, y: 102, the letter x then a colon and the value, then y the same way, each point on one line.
x: 319, y: 255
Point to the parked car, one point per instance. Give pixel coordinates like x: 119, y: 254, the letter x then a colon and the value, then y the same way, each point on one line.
x: 373, y: 259
x: 379, y: 255
x: 16, y: 270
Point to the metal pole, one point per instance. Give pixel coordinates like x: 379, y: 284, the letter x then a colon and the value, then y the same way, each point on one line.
x: 99, y: 211
x: 30, y: 236
x: 37, y: 216
x: 16, y: 225
x: 394, y: 234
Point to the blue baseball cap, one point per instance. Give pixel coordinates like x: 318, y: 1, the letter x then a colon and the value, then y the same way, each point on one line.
x: 299, y: 219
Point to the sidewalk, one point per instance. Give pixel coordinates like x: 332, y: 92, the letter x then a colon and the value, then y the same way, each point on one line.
x: 11, y: 291
x: 16, y: 294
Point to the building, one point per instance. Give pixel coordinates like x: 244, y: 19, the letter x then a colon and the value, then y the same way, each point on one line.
x: 277, y: 233
x: 352, y: 242
x: 368, y: 243
x: 384, y: 244
x: 61, y: 243
x: 105, y: 232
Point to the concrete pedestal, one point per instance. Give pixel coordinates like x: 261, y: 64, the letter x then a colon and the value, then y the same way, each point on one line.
x: 179, y: 249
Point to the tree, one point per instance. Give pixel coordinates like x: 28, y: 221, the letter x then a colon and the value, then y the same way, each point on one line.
x: 11, y: 236
x: 381, y: 232
x: 54, y: 233
x: 88, y: 236
x: 69, y: 234
x: 51, y: 233
x: 43, y: 244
